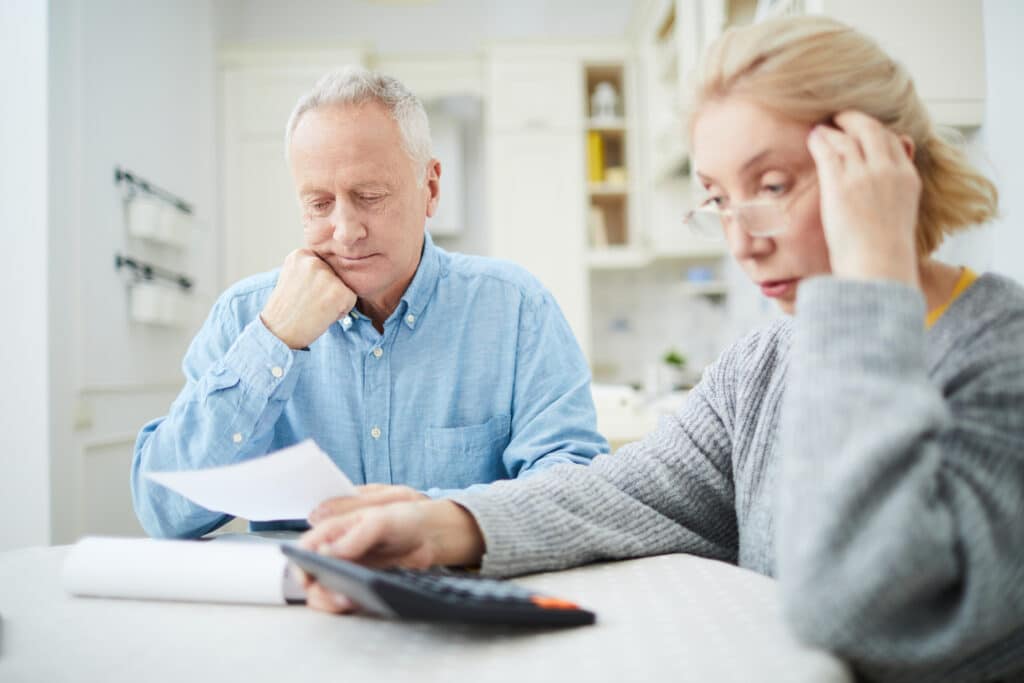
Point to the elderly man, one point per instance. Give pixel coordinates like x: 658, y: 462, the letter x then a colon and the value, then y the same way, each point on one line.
x: 415, y: 369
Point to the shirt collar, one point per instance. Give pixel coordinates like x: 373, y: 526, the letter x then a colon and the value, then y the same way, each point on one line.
x: 424, y: 283
x: 419, y: 292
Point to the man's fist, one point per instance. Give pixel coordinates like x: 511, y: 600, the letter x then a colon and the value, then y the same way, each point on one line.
x: 308, y: 298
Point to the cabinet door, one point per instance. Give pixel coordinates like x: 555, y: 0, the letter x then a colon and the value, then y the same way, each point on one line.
x: 535, y: 94
x: 940, y: 42
x: 261, y: 219
x: 537, y: 219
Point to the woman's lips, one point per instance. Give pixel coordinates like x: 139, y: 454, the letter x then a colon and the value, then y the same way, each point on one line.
x: 778, y: 288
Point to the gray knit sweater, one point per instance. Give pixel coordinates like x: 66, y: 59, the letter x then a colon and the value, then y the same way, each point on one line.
x: 876, y: 469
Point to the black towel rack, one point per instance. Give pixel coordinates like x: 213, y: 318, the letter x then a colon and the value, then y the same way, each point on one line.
x: 135, y: 182
x: 147, y: 271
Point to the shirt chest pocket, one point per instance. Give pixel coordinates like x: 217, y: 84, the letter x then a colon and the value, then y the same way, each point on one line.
x: 466, y: 455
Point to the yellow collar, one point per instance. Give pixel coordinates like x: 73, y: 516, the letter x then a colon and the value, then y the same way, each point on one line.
x: 967, y: 278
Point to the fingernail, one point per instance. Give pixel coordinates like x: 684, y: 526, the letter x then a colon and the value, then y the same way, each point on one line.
x: 340, y: 601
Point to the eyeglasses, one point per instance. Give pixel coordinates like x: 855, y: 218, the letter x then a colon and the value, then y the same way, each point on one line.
x: 758, y: 217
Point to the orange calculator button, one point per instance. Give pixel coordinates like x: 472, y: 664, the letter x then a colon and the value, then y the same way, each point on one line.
x: 552, y: 603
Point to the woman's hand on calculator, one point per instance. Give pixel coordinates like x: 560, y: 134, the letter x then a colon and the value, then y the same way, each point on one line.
x: 414, y: 535
x: 367, y: 495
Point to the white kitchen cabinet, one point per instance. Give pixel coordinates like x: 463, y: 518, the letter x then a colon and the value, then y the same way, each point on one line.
x: 260, y: 89
x: 538, y: 93
x: 941, y: 42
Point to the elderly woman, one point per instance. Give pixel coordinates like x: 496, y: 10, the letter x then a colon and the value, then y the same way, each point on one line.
x: 867, y: 450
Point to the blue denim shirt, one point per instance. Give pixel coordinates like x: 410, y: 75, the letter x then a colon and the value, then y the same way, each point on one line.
x: 477, y: 377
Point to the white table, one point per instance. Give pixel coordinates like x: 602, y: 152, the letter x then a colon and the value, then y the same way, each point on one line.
x: 671, y: 618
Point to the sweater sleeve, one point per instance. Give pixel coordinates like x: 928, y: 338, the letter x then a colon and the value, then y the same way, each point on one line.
x: 900, y: 514
x: 671, y: 492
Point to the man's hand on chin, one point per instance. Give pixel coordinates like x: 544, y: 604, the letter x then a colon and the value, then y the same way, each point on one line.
x: 366, y: 496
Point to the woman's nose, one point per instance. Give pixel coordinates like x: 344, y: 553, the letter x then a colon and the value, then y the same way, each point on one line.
x: 742, y: 244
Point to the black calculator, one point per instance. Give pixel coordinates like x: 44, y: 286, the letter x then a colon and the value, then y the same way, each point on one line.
x: 438, y: 595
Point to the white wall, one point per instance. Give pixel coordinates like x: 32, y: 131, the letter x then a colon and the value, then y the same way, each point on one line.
x: 997, y: 148
x: 442, y: 26
x: 132, y: 84
x: 24, y: 413
x: 1003, y: 132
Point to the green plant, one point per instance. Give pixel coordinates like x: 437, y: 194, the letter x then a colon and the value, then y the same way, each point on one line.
x: 675, y: 359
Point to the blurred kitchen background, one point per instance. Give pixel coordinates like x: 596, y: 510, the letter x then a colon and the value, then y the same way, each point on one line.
x: 143, y: 172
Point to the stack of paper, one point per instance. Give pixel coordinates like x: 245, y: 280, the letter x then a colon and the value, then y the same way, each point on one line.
x: 199, y: 571
x: 288, y: 484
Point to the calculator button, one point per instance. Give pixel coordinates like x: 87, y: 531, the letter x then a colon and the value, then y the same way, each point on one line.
x: 552, y: 603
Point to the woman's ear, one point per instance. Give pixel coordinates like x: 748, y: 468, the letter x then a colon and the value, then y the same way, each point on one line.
x: 908, y: 146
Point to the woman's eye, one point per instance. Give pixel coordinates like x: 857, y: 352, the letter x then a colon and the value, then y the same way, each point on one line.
x: 714, y: 203
x: 774, y: 189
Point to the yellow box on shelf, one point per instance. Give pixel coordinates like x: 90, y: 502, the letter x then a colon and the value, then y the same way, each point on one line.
x: 595, y: 157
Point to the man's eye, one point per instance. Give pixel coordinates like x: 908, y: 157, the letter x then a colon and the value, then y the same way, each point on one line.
x: 371, y: 198
x: 321, y: 206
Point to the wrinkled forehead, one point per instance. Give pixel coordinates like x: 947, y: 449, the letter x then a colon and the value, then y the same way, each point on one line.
x: 734, y: 137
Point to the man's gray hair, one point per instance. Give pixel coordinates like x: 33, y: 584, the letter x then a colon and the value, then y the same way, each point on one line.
x: 354, y: 85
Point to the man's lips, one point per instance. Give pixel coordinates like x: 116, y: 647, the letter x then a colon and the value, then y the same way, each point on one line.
x: 353, y: 259
x: 777, y: 288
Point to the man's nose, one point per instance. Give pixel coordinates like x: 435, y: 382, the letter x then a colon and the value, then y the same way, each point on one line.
x: 348, y: 228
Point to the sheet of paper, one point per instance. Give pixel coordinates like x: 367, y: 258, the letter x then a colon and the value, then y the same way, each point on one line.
x: 200, y: 571
x: 287, y: 484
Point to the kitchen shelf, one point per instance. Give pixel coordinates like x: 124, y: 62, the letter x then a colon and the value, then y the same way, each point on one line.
x: 617, y: 258
x: 608, y: 189
x: 711, y: 288
x: 617, y: 125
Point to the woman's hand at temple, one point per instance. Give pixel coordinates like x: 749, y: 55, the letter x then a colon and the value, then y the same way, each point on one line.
x: 870, y: 191
x: 415, y: 535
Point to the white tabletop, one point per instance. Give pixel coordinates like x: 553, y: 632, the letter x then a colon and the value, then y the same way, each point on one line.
x: 672, y: 618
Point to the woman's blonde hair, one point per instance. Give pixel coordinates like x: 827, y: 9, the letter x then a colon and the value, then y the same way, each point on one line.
x: 810, y: 68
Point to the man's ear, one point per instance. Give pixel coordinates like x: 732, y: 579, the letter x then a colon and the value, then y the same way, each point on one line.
x: 433, y: 185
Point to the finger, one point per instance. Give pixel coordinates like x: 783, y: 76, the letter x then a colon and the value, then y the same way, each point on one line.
x: 336, y: 507
x: 326, y: 531
x: 325, y: 600
x: 826, y: 159
x: 845, y: 146
x: 877, y: 141
x: 299, y: 575
x: 361, y: 539
x: 381, y: 495
x: 369, y: 488
x: 332, y: 507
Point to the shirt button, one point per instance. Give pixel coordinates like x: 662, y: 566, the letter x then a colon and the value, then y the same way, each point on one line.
x: 375, y: 432
x: 276, y: 372
x: 378, y: 352
x: 237, y: 438
x: 410, y: 318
